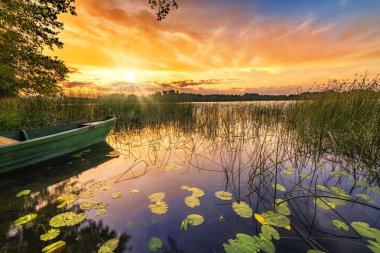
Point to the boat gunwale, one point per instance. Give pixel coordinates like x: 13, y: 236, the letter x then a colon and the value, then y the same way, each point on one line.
x: 58, y: 134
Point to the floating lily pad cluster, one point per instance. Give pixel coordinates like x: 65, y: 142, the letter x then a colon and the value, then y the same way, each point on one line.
x: 159, y: 206
x: 193, y: 200
x: 338, y: 197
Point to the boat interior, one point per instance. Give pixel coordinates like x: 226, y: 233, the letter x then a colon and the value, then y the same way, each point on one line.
x: 24, y: 135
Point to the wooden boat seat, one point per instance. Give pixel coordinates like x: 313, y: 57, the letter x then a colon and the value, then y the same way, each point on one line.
x: 6, y: 141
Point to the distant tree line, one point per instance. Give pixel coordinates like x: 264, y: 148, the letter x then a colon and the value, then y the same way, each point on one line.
x: 176, y: 96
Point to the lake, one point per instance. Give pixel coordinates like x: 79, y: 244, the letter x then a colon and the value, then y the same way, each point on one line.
x: 226, y: 180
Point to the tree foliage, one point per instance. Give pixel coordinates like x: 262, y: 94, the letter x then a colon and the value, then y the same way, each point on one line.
x: 163, y: 7
x: 27, y: 28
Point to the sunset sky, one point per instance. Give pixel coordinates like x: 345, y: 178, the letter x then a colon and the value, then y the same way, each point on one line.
x: 220, y: 46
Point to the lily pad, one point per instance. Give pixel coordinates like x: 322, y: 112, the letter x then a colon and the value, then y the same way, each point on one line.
x: 270, y: 232
x: 266, y: 245
x: 109, y: 246
x: 322, y: 188
x: 289, y: 171
x: 374, y: 246
x: 281, y: 207
x: 22, y: 193
x: 101, y: 211
x: 193, y: 220
x: 305, y: 175
x: 242, y: 244
x: 159, y: 207
x: 242, y: 209
x: 279, y: 187
x: 315, y: 251
x: 324, y: 203
x: 192, y: 201
x: 155, y: 243
x: 155, y: 197
x: 340, y: 225
x: 374, y: 189
x: 339, y: 173
x: 360, y: 183
x: 87, y: 194
x: 67, y: 219
x: 25, y: 219
x: 88, y: 205
x: 340, y: 192
x: 50, y: 235
x: 365, y: 230
x: 116, y: 195
x: 276, y: 219
x: 223, y: 195
x: 365, y: 197
x: 196, y: 192
x: 66, y: 199
x: 54, y: 247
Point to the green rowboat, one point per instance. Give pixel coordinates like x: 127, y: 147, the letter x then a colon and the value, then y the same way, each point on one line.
x: 23, y: 148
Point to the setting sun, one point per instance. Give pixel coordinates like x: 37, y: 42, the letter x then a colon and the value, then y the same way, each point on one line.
x: 130, y: 76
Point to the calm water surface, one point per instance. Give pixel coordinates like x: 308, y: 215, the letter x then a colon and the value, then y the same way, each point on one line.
x: 239, y: 158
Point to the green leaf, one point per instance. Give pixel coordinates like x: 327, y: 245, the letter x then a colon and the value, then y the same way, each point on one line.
x: 87, y: 205
x: 50, y: 235
x: 374, y: 189
x: 339, y: 173
x: 155, y: 243
x: 324, y: 203
x: 266, y: 245
x: 276, y: 219
x: 374, y: 246
x: 340, y: 225
x: 282, y: 207
x: 365, y: 230
x: 101, y: 211
x: 279, y: 187
x: 22, y: 193
x: 156, y: 197
x: 223, y: 195
x: 322, y: 188
x: 314, y: 251
x: 66, y: 199
x: 365, y: 197
x: 67, y: 219
x: 289, y: 171
x: 196, y: 192
x: 159, y: 207
x: 54, y: 247
x: 242, y: 209
x: 360, y: 183
x: 340, y: 192
x: 270, y: 232
x: 305, y: 175
x: 242, y: 244
x: 24, y: 219
x: 192, y: 201
x: 193, y: 220
x: 109, y: 246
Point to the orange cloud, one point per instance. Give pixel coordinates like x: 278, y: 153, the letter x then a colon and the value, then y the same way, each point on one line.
x: 203, y: 42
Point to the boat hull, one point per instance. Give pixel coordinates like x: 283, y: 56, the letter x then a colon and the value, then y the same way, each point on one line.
x: 33, y: 151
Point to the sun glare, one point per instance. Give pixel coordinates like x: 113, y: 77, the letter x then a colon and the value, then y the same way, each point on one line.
x: 130, y: 76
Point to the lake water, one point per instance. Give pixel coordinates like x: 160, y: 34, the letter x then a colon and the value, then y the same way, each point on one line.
x: 241, y: 157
